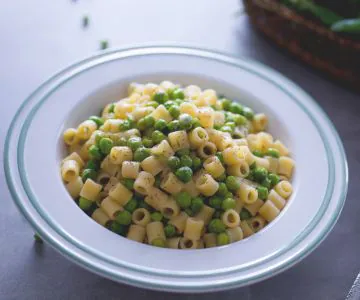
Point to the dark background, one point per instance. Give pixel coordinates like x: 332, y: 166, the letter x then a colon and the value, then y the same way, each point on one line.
x: 39, y: 37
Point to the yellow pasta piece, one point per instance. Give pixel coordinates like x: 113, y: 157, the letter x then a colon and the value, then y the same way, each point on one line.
x: 161, y: 113
x: 130, y: 169
x: 284, y: 189
x: 122, y: 109
x: 100, y: 217
x: 286, y: 166
x: 192, y: 92
x: 179, y: 222
x: 198, y: 137
x: 120, y: 194
x: 141, y: 216
x: 247, y: 230
x: 240, y: 170
x: 219, y: 118
x: 230, y: 218
x: 90, y: 190
x: 136, y: 233
x: 206, y: 117
x: 235, y: 234
x: 171, y: 184
x: 193, y: 228
x: 186, y: 243
x: 276, y: 199
x: 144, y: 182
x: 169, y: 208
x: 190, y: 188
x: 178, y: 140
x: 85, y: 129
x: 155, y: 230
x: 205, y: 214
x: 260, y: 122
x: 74, y: 187
x: 152, y: 165
x: 233, y: 156
x: 172, y: 243
x: 210, y: 240
x: 189, y: 108
x: 70, y: 170
x: 111, y: 125
x: 278, y: 145
x: 257, y: 223
x: 247, y: 193
x: 253, y: 208
x: 206, y: 150
x: 110, y: 207
x: 207, y: 185
x: 162, y: 150
x: 120, y: 154
x: 273, y: 164
x: 213, y: 166
x: 269, y: 211
x: 70, y: 136
x: 75, y: 156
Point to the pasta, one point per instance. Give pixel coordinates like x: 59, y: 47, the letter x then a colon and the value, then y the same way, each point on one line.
x: 174, y: 167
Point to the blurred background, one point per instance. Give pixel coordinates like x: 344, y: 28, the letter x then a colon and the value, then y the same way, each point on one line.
x: 39, y: 37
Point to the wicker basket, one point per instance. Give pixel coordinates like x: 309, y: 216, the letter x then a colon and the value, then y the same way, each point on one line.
x: 310, y: 41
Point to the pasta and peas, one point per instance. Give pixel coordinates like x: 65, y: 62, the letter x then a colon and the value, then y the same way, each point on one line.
x: 177, y: 167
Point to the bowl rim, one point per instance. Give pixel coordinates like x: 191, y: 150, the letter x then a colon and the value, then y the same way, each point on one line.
x: 211, y: 54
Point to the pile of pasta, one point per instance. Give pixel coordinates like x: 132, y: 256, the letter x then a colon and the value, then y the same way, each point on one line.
x: 177, y: 167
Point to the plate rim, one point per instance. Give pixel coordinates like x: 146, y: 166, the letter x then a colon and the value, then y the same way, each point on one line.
x: 234, y: 61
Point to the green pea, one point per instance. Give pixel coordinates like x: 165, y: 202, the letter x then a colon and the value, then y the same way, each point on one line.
x: 141, y: 124
x: 143, y: 204
x: 159, y: 242
x: 231, y: 124
x: 178, y: 101
x: 128, y: 183
x: 239, y: 120
x: 174, y: 162
x: 99, y: 121
x: 266, y: 183
x: 177, y: 94
x: 184, y: 174
x: 149, y: 121
x: 147, y: 142
x: 185, y: 121
x: 131, y: 121
x: 152, y: 104
x: 189, y: 212
x: 258, y: 153
x: 195, y: 123
x: 186, y: 161
x: 184, y: 151
x: 111, y: 108
x: 196, y: 163
x: 248, y: 113
x: 222, y: 239
x: 141, y: 153
x: 37, y: 238
x: 174, y: 125
x: 220, y: 156
x: 169, y: 230
x: 274, y: 179
x: 105, y: 145
x: 222, y: 190
x: 118, y: 228
x: 253, y: 166
x: 160, y: 97
x: 92, y: 164
x: 169, y: 103
x: 157, y: 181
x: 156, y: 216
x: 157, y: 136
x: 226, y: 129
x: 122, y: 141
x: 123, y: 217
x: 228, y: 203
x: 124, y: 125
x: 196, y: 204
x: 245, y: 214
x: 174, y: 111
x: 88, y: 173
x: 222, y: 177
x: 84, y: 203
x: 232, y: 183
x: 273, y: 152
x: 131, y: 205
x: 226, y: 103
x: 94, y: 152
x: 260, y: 174
x: 215, y: 202
x: 134, y: 143
x: 183, y: 199
x: 229, y: 117
x: 229, y: 195
x: 160, y: 125
x: 98, y: 136
x: 263, y: 192
x: 216, y: 226
x: 236, y: 108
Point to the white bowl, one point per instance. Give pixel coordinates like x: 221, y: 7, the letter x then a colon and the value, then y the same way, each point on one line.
x: 34, y: 149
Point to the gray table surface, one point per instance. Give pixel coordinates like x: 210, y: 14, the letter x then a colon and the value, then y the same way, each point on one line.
x: 39, y: 37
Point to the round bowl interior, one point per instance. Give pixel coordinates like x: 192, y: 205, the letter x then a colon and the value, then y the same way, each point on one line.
x: 85, y: 88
